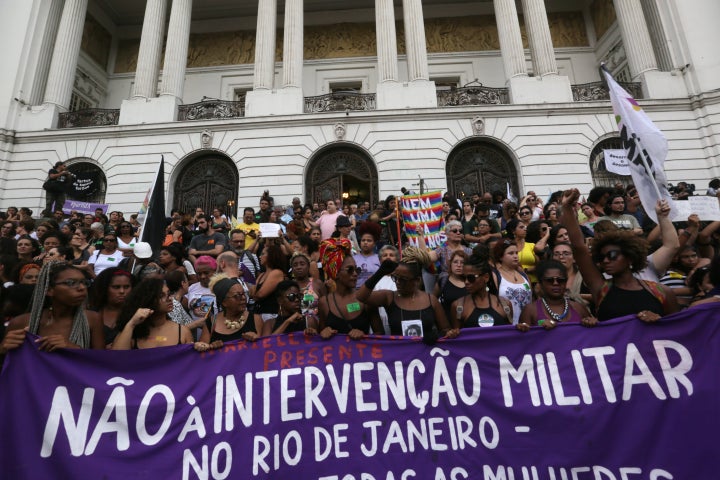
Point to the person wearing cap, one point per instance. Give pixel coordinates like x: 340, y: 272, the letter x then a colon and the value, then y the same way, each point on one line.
x: 207, y: 241
x: 345, y: 230
x: 106, y: 256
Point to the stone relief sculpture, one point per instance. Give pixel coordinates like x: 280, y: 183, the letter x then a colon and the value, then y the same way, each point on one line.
x: 206, y: 138
x: 340, y: 131
x: 478, y: 126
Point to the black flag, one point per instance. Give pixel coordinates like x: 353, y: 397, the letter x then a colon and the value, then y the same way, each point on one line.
x: 153, y: 226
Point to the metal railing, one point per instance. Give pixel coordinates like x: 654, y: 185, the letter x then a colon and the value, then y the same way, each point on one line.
x: 597, y: 91
x: 340, y: 102
x: 90, y: 117
x: 475, y: 95
x: 211, y: 108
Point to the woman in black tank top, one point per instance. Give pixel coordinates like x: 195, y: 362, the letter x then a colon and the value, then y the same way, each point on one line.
x: 479, y: 308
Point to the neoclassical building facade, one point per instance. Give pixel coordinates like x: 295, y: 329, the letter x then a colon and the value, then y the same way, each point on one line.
x: 355, y: 99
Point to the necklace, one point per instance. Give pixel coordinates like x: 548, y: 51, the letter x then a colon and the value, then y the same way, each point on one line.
x: 237, y: 323
x: 553, y: 315
x: 510, y: 272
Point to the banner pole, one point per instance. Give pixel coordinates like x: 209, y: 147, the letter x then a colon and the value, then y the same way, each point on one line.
x: 638, y: 145
x: 397, y: 221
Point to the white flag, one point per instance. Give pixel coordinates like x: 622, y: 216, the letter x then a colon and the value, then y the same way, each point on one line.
x: 633, y: 122
x: 616, y: 161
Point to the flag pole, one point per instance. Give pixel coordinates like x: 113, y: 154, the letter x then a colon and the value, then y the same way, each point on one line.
x: 646, y: 165
x: 397, y: 221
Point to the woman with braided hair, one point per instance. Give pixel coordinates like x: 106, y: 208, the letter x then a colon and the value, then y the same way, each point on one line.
x: 410, y: 311
x: 58, y: 313
x: 340, y: 311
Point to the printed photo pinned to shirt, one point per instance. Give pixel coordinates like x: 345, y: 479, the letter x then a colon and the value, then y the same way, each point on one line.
x: 412, y: 328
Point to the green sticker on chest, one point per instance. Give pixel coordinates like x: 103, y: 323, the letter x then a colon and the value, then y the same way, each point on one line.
x: 353, y: 307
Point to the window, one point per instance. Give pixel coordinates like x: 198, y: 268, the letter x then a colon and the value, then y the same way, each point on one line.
x: 354, y: 86
x: 78, y: 102
x: 239, y: 94
x: 442, y: 84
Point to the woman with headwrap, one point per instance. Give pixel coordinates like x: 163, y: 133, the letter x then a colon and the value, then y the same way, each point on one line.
x: 58, y: 313
x: 233, y: 322
x: 409, y: 309
x: 341, y: 311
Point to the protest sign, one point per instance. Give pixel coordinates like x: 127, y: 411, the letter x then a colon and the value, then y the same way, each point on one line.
x: 707, y: 208
x: 83, y: 207
x: 623, y: 400
x: 616, y: 161
x: 423, y: 214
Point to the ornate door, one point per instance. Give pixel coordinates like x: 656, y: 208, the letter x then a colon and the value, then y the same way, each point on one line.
x: 480, y: 167
x: 206, y: 182
x: 342, y: 170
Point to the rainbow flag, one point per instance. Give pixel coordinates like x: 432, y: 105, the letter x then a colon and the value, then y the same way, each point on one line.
x: 423, y: 213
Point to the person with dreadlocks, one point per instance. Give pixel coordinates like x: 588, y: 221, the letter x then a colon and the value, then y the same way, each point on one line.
x: 58, y: 315
x: 410, y: 311
x: 340, y: 310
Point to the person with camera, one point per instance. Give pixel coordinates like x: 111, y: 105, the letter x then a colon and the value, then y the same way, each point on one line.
x: 56, y: 186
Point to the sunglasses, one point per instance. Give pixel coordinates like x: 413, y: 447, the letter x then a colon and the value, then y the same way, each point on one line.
x: 238, y: 296
x: 554, y: 280
x: 293, y: 297
x: 469, y: 278
x: 524, y: 212
x: 401, y: 279
x: 350, y: 270
x: 610, y: 255
x: 73, y: 283
x: 455, y: 230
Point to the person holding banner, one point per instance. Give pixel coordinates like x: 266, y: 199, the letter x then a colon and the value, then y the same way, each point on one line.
x: 408, y: 306
x: 479, y: 308
x: 553, y: 306
x: 57, y: 315
x: 620, y: 254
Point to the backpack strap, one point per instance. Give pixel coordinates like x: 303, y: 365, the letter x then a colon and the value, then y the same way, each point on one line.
x: 603, y: 292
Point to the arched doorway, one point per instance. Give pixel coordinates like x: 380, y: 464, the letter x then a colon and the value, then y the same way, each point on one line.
x: 207, y: 182
x: 600, y: 174
x: 479, y: 167
x: 342, y: 172
x: 90, y: 183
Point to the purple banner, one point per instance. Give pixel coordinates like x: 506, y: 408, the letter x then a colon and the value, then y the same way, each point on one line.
x: 83, y: 207
x: 622, y: 401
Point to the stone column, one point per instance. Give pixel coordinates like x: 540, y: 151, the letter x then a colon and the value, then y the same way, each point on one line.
x: 293, y: 44
x: 176, y: 50
x: 265, y: 45
x: 636, y: 37
x: 538, y: 29
x: 40, y: 77
x: 148, y: 64
x: 65, y: 54
x: 386, y: 41
x: 511, y: 47
x: 415, y: 40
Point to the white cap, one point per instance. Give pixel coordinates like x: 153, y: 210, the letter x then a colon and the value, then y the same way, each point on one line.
x: 142, y: 250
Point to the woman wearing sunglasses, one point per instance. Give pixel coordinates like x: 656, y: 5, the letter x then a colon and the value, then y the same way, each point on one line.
x: 553, y: 306
x: 341, y: 311
x: 408, y: 309
x: 454, y: 234
x: 107, y: 256
x: 233, y: 321
x: 479, y: 308
x: 620, y: 254
x: 57, y: 314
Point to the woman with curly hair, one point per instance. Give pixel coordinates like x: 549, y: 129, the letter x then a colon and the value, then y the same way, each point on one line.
x: 341, y: 310
x: 620, y: 254
x: 58, y: 313
x: 143, y: 321
x: 410, y: 311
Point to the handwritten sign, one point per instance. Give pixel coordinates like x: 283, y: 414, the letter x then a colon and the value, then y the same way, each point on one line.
x: 625, y: 400
x: 707, y: 208
x: 269, y: 230
x: 616, y: 161
x: 423, y: 213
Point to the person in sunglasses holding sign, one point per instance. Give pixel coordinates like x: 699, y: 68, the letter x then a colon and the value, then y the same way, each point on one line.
x: 479, y: 308
x: 553, y: 306
x: 340, y: 310
x: 408, y: 307
x: 57, y: 315
x: 620, y: 254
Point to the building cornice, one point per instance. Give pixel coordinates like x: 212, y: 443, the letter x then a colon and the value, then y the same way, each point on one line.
x: 325, y: 119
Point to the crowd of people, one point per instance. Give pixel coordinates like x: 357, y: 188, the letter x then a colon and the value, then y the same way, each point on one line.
x: 86, y: 281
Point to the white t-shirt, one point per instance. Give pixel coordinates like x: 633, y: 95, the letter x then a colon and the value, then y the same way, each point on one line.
x: 101, y: 261
x: 200, y: 300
